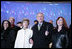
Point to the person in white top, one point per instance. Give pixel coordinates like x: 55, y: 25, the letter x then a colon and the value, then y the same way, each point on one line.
x: 23, y: 39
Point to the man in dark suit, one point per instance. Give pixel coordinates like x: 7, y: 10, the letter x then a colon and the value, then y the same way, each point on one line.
x: 13, y: 27
x: 41, y: 32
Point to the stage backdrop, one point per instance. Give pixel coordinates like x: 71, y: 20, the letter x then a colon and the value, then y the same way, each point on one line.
x: 20, y: 10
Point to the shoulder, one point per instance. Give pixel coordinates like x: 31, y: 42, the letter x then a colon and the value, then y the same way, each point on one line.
x: 65, y: 29
x: 34, y: 26
x: 10, y: 30
x: 47, y: 23
x: 20, y: 30
x: 29, y: 30
x: 16, y: 27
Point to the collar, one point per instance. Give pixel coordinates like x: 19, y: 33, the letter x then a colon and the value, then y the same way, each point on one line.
x: 40, y: 23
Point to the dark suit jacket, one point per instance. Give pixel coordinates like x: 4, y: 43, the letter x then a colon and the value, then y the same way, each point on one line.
x: 39, y: 38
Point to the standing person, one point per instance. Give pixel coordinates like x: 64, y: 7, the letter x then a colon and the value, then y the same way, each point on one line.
x: 23, y: 36
x: 7, y: 35
x: 69, y: 35
x: 59, y: 35
x: 19, y: 24
x: 50, y: 21
x: 13, y: 27
x: 41, y: 32
x: 35, y: 22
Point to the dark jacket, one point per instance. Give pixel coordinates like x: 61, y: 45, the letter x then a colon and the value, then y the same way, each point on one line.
x: 60, y: 39
x: 7, y: 38
x: 15, y: 28
x: 39, y: 38
x: 70, y: 37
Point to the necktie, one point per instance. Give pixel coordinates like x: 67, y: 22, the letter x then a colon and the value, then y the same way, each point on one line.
x: 39, y: 26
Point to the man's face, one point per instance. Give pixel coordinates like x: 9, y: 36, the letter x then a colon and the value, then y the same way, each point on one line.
x: 19, y: 25
x: 35, y: 22
x: 40, y: 17
x: 11, y: 20
x: 51, y: 22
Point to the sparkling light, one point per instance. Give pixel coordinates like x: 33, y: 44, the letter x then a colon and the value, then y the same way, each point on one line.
x: 30, y: 10
x: 7, y: 11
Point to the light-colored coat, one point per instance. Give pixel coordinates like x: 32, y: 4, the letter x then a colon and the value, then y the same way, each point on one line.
x: 22, y: 39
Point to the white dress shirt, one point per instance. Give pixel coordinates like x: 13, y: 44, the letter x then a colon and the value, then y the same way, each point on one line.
x: 22, y: 39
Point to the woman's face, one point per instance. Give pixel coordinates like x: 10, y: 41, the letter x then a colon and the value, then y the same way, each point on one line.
x: 60, y: 22
x: 25, y: 24
x: 5, y: 24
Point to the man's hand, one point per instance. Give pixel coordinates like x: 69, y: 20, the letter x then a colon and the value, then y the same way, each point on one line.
x: 50, y: 45
x: 31, y: 41
x: 46, y: 33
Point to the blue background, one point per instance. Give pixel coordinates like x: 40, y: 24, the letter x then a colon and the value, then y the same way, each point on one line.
x: 20, y: 10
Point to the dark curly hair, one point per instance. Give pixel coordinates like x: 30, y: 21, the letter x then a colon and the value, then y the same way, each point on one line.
x: 9, y: 25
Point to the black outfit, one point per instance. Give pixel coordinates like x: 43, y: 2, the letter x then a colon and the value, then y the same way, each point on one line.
x: 39, y: 38
x: 7, y: 38
x: 60, y: 39
x: 15, y: 28
x: 52, y: 26
x: 69, y: 35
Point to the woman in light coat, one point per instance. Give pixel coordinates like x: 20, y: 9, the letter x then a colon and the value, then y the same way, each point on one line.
x: 24, y: 36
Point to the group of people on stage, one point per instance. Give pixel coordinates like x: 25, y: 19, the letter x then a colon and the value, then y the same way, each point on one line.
x: 42, y: 34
